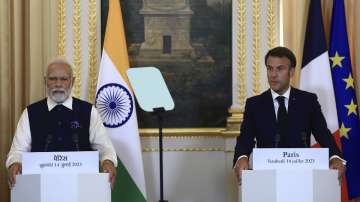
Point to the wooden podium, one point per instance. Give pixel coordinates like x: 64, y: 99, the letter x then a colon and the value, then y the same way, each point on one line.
x: 297, y: 181
x: 61, y: 177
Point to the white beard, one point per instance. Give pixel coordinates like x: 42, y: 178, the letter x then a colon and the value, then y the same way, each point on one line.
x: 58, y: 95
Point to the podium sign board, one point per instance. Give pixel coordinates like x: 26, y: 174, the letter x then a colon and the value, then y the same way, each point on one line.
x: 291, y: 158
x: 60, y: 162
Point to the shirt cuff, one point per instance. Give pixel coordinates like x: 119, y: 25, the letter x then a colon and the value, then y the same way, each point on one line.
x: 14, y: 158
x: 242, y: 156
x: 337, y: 157
x: 110, y: 158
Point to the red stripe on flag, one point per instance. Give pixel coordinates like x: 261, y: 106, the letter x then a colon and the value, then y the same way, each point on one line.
x: 344, y: 194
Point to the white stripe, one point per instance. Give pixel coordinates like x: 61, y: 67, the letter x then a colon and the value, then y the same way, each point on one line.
x: 316, y: 78
x: 125, y: 138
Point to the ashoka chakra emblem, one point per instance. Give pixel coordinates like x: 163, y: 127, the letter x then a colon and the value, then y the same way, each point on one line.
x: 115, y: 104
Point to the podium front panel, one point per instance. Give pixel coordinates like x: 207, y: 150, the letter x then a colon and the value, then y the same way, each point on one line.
x: 259, y: 186
x: 294, y: 185
x: 290, y: 185
x: 26, y: 189
x: 62, y: 188
x: 326, y: 186
x: 59, y: 187
x: 100, y: 192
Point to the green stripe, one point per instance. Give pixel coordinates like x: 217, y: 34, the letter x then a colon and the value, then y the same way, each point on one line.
x: 125, y: 189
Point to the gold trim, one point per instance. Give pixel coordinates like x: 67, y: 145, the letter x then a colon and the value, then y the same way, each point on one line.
x: 92, y: 50
x: 61, y: 28
x: 235, y: 110
x: 182, y: 132
x: 234, y: 120
x: 182, y: 137
x: 271, y: 24
x: 190, y: 149
x: 231, y: 133
x: 189, y: 133
x: 241, y: 46
x: 77, y: 46
x: 256, y: 46
x: 236, y: 117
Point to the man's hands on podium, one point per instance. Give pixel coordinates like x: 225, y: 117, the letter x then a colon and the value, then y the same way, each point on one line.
x: 338, y: 164
x: 13, y: 170
x: 107, y: 166
x: 241, y: 164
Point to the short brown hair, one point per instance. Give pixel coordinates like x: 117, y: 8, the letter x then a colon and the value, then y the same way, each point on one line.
x: 282, y: 52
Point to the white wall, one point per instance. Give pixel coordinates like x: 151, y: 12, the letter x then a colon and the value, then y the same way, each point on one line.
x: 196, y: 169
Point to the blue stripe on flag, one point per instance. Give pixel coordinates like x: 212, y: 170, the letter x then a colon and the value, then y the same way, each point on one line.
x: 315, y: 43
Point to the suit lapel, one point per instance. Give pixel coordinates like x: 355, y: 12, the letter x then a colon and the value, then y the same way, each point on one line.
x: 270, y: 112
x: 292, y: 109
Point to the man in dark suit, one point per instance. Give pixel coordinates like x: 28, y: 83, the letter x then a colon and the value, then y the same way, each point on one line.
x: 283, y: 116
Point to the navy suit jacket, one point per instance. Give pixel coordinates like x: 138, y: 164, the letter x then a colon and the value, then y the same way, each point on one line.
x: 304, y: 118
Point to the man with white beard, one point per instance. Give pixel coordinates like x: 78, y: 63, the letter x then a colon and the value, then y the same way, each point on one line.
x: 60, y: 123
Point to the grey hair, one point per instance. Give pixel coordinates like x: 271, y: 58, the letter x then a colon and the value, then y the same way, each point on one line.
x: 59, y: 60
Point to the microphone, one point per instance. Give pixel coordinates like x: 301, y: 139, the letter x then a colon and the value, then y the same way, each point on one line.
x: 75, y: 139
x: 277, y: 140
x: 304, y: 139
x: 48, y: 141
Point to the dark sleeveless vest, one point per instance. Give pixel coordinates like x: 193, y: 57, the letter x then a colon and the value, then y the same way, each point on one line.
x: 60, y: 129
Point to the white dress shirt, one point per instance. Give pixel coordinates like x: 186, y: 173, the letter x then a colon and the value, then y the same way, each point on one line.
x: 276, y: 103
x: 99, y: 139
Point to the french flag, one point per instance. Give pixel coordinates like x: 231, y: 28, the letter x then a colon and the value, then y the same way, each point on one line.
x: 316, y: 75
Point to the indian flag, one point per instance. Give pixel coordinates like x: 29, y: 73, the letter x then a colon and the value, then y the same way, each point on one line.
x: 116, y: 105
